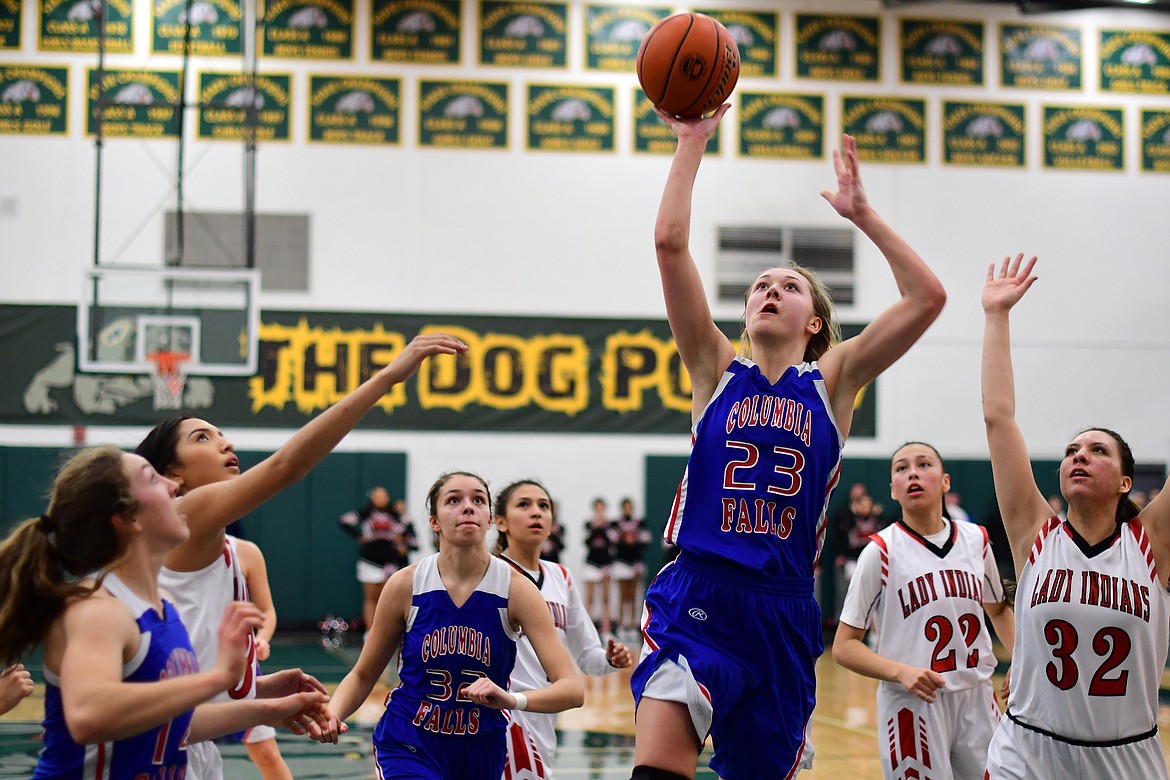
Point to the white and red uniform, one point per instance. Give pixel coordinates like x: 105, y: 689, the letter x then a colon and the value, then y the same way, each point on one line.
x: 923, y: 598
x: 202, y: 597
x: 1092, y: 631
x: 532, y: 739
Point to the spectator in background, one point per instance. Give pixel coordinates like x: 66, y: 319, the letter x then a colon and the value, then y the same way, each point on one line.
x: 955, y: 511
x: 1055, y: 503
x: 852, y: 535
x: 406, y: 525
x: 631, y: 535
x: 555, y: 543
x: 599, y: 544
x: 383, y: 550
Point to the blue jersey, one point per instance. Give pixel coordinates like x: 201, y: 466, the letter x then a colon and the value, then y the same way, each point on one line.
x: 446, y: 648
x: 764, y: 460
x: 158, y: 754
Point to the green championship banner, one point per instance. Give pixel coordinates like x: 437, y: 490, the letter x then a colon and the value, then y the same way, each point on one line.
x: 1135, y: 61
x: 424, y: 31
x: 523, y: 34
x: 941, y: 51
x: 34, y: 100
x: 614, y: 33
x: 463, y: 114
x: 133, y: 103
x: 227, y: 99
x: 1084, y: 138
x: 991, y: 135
x: 354, y: 110
x: 1034, y: 56
x: 838, y: 48
x: 1156, y: 141
x: 75, y: 25
x: 756, y: 34
x: 888, y: 130
x: 651, y: 134
x: 782, y: 125
x: 215, y: 27
x: 10, y: 22
x: 574, y: 118
x: 308, y: 29
x: 521, y: 374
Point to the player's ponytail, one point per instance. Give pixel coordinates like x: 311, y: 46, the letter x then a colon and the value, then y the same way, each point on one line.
x: 44, y: 559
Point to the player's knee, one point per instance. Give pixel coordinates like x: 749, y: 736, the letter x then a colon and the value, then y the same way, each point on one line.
x: 643, y: 772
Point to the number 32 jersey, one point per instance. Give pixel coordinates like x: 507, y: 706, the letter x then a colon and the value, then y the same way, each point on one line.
x: 764, y: 459
x: 1092, y: 628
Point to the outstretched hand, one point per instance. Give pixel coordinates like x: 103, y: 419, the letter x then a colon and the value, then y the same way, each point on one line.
x: 419, y: 349
x: 849, y: 200
x: 698, y: 126
x: 1002, y: 291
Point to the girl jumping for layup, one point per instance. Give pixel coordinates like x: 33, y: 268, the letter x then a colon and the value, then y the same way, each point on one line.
x: 122, y: 681
x: 204, y: 572
x: 455, y: 617
x: 524, y: 517
x: 731, y: 629
x: 923, y: 584
x: 1092, y: 611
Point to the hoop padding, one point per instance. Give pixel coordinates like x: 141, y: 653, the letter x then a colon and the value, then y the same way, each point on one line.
x: 168, y: 373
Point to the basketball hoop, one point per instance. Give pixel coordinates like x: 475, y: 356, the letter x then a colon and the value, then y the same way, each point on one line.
x: 168, y: 372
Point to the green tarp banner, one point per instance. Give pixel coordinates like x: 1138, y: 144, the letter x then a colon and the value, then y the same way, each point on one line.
x: 530, y: 374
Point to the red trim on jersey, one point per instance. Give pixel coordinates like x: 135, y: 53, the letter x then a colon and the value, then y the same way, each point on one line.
x: 99, y: 770
x: 645, y: 625
x: 706, y: 693
x: 1041, y: 535
x: 796, y: 764
x: 1143, y: 541
x: 885, y: 555
x: 669, y: 534
x: 377, y: 765
x: 519, y: 747
x: 906, y: 733
x: 823, y: 520
x: 565, y: 571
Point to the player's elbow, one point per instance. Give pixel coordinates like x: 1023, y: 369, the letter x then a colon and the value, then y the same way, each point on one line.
x: 88, y: 727
x: 670, y: 238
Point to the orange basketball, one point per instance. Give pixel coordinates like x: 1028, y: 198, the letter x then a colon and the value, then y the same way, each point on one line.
x: 688, y: 64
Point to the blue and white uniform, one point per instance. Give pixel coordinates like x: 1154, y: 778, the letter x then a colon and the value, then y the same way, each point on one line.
x: 164, y: 650
x: 430, y: 728
x: 731, y: 628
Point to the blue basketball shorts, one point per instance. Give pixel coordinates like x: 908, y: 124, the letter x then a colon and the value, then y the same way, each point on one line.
x: 401, y: 750
x: 743, y: 649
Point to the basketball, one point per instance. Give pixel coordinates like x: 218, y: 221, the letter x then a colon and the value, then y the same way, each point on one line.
x: 688, y: 64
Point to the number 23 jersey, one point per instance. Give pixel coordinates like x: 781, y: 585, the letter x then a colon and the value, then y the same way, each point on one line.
x: 764, y: 459
x: 1092, y: 628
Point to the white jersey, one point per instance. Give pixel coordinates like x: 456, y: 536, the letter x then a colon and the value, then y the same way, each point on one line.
x: 1092, y: 630
x: 924, y: 600
x: 202, y: 597
x: 576, y: 630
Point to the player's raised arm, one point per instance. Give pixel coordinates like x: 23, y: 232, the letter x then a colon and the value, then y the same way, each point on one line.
x: 853, y: 364
x: 1021, y: 503
x: 704, y: 350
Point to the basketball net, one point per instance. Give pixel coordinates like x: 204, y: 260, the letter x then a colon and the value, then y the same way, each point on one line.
x: 168, y: 372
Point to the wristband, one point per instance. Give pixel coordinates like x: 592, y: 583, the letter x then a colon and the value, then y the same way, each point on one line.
x: 521, y: 702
